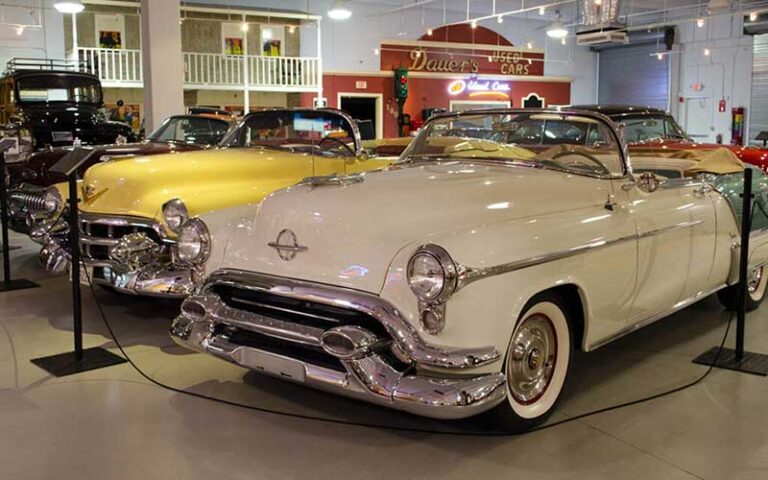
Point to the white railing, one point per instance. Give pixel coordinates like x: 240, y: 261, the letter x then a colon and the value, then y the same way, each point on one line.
x: 290, y: 73
x: 210, y: 69
x: 123, y: 68
x: 115, y: 67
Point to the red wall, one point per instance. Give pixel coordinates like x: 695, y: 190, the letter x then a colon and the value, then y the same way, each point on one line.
x: 430, y: 93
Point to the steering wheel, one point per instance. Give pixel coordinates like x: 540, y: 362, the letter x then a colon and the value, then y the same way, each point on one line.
x: 337, y: 141
x: 589, y: 157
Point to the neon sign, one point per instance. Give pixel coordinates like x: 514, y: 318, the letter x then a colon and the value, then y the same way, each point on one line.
x: 479, y: 87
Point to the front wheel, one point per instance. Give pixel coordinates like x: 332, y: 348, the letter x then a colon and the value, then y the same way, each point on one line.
x: 536, y: 364
x: 756, y: 288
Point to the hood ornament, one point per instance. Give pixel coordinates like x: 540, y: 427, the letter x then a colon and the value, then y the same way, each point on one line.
x: 287, y: 245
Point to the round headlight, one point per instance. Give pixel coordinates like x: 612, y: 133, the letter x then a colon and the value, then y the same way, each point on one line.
x: 432, y: 274
x: 52, y: 200
x: 194, y: 244
x: 175, y: 213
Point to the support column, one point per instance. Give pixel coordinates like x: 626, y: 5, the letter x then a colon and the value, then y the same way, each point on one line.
x: 162, y: 61
x: 75, y: 55
x: 246, y: 71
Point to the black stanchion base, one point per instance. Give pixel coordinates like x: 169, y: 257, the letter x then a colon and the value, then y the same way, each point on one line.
x: 754, y: 363
x: 19, y: 284
x: 65, y: 364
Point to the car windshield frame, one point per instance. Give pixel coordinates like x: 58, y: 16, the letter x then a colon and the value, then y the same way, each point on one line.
x: 667, y: 119
x: 236, y: 138
x: 58, y: 82
x: 170, y: 121
x: 411, y: 155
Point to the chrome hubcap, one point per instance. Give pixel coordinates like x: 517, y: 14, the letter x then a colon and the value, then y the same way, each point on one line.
x: 531, y: 362
x: 754, y: 282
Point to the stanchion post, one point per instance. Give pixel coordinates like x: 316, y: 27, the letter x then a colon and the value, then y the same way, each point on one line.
x: 79, y: 360
x: 737, y: 359
x: 4, y: 206
x: 74, y: 241
x: 746, y: 221
x: 8, y: 284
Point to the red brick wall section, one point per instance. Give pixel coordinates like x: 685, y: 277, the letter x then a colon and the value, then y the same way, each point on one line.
x: 429, y: 93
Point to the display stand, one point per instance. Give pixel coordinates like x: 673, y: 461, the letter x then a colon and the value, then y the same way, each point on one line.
x: 8, y: 284
x: 737, y: 359
x: 79, y: 360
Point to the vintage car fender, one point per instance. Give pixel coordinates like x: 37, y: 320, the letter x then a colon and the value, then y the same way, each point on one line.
x: 204, y: 181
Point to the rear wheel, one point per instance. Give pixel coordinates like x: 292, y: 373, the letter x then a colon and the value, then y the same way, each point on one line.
x: 536, y: 364
x: 756, y: 288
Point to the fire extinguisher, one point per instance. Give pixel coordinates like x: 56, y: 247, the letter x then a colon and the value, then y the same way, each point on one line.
x: 737, y: 126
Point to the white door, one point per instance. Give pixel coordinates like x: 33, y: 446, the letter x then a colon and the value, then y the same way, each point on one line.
x: 676, y: 232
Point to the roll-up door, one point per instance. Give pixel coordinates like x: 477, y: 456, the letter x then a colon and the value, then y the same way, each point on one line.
x: 633, y: 75
x: 758, y: 112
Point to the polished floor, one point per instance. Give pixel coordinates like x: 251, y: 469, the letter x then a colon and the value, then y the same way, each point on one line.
x: 113, y: 424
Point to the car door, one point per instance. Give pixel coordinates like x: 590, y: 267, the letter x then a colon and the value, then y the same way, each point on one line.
x: 676, y: 232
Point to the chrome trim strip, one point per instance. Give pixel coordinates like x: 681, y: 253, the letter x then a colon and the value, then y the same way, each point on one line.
x: 288, y: 331
x: 469, y: 275
x: 104, y: 242
x: 654, y: 318
x: 405, y: 335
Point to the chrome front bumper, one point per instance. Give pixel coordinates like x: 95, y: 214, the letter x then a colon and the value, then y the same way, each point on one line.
x: 155, y: 280
x: 156, y: 277
x: 208, y: 325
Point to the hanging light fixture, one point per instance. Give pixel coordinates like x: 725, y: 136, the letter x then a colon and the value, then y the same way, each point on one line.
x: 340, y: 10
x: 556, y: 29
x: 69, y: 6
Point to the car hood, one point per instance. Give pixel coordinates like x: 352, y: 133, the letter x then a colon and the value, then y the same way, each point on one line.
x: 352, y: 232
x: 204, y: 180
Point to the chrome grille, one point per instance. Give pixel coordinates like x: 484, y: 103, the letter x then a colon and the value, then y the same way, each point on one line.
x: 99, y: 233
x: 293, y: 316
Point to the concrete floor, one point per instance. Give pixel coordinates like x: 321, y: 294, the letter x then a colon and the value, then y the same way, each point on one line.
x: 113, y: 424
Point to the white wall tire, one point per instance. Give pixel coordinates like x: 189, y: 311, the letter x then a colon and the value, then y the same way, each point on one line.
x: 536, y: 364
x: 757, y: 284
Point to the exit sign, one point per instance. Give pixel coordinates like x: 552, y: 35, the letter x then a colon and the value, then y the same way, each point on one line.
x: 361, y: 84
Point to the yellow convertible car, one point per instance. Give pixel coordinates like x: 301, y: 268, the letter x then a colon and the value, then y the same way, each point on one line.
x: 132, y: 209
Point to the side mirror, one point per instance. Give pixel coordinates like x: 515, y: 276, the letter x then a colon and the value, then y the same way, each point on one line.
x: 648, y: 182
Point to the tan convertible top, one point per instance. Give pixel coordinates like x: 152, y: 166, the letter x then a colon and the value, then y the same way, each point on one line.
x: 719, y: 161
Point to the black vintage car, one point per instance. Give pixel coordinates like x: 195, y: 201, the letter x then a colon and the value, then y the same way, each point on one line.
x: 50, y: 103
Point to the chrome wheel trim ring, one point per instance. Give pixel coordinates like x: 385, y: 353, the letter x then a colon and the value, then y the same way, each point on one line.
x: 532, y: 359
x: 756, y: 285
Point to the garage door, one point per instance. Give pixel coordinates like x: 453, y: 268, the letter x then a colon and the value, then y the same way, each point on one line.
x: 758, y: 112
x: 633, y: 75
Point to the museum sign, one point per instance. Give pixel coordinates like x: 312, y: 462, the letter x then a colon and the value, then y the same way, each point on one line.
x: 438, y: 57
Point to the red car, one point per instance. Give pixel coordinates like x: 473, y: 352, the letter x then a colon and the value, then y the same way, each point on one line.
x: 646, y: 130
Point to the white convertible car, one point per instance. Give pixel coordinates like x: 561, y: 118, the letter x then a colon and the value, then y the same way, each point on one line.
x: 460, y: 280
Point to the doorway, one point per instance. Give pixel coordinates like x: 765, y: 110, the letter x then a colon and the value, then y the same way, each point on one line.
x: 366, y: 107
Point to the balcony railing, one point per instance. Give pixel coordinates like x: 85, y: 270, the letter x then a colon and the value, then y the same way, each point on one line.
x: 114, y: 67
x: 123, y: 68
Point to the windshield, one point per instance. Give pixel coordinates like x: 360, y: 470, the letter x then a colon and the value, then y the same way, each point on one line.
x: 649, y: 128
x: 58, y: 88
x: 571, y: 143
x: 309, y: 131
x: 191, y: 130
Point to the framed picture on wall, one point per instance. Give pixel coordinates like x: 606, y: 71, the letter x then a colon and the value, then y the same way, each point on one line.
x: 232, y: 39
x: 110, y: 31
x: 272, y: 40
x: 233, y: 46
x: 110, y: 39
